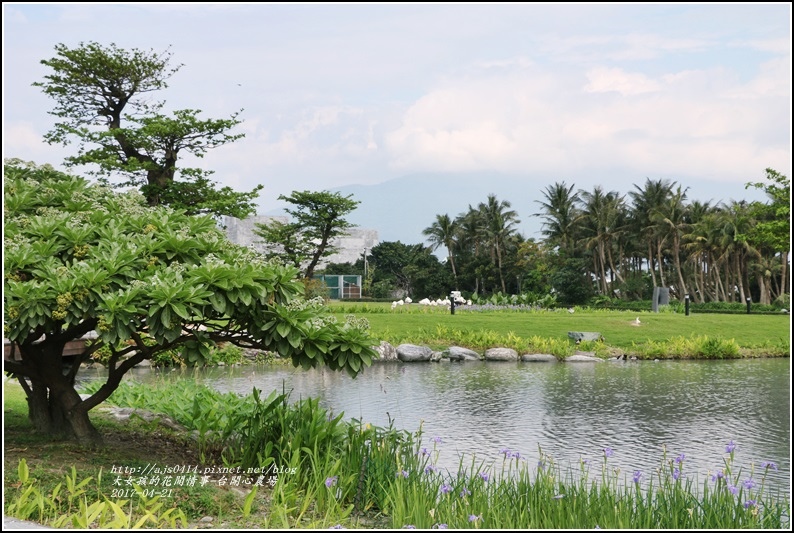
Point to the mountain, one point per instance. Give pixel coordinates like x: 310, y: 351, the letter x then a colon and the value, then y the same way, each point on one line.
x: 399, y: 209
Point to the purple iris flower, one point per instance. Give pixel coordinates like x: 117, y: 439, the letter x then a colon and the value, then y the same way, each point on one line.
x: 749, y: 503
x: 330, y: 481
x: 676, y: 474
x: 430, y: 468
x: 485, y: 477
x: 749, y: 483
x: 437, y: 440
x: 465, y: 492
x: 680, y: 458
x: 637, y: 476
x: 768, y: 464
x: 730, y: 447
x: 607, y: 452
x: 734, y: 489
x: 445, y: 489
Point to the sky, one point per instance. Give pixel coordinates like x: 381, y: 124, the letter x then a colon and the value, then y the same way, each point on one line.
x: 343, y: 94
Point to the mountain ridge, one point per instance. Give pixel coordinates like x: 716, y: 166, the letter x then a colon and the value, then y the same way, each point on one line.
x: 400, y: 208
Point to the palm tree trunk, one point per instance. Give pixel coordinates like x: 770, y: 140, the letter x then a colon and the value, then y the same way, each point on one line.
x: 650, y: 263
x: 660, y: 260
x: 677, y: 259
x: 499, y: 263
x: 739, y: 277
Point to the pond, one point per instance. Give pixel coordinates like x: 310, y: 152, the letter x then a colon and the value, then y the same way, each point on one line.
x: 572, y: 411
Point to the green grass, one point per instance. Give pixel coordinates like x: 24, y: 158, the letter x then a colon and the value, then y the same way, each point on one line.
x: 132, y: 444
x: 753, y: 332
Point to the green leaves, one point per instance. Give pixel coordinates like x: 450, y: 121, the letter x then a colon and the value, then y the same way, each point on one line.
x: 133, y: 273
x: 319, y: 218
x: 102, y: 101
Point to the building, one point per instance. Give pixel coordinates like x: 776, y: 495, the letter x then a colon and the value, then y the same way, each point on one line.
x: 351, y: 247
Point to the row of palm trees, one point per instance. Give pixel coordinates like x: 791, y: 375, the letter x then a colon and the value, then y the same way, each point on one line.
x: 711, y: 252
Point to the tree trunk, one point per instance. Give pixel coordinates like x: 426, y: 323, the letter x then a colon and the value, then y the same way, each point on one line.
x: 54, y: 406
x: 454, y: 271
x: 44, y: 413
x: 650, y: 263
x: 660, y: 260
x: 677, y: 258
x: 739, y: 276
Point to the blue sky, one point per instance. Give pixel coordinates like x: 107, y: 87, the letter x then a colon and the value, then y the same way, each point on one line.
x: 342, y: 94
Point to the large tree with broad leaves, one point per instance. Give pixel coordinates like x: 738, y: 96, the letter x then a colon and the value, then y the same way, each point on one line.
x: 81, y: 258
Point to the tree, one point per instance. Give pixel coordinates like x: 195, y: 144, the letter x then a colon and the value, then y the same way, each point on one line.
x: 773, y: 230
x: 410, y: 268
x: 498, y: 227
x: 646, y: 200
x: 560, y: 215
x: 101, y: 101
x: 444, y: 231
x: 319, y: 218
x: 670, y: 219
x: 80, y: 258
x: 600, y: 225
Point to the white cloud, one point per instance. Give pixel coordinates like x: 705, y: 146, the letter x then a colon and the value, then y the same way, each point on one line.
x: 340, y: 94
x: 22, y: 140
x: 615, y: 79
x: 685, y: 123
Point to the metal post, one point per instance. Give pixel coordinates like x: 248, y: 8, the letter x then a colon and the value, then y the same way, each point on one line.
x: 686, y: 304
x: 748, y: 305
x: 452, y: 303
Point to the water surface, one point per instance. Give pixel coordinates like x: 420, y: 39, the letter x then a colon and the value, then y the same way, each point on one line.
x: 572, y: 411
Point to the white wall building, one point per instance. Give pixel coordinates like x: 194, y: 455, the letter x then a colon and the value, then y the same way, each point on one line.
x: 351, y: 247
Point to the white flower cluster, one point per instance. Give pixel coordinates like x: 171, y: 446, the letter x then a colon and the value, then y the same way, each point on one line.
x: 299, y: 304
x: 320, y: 322
x: 357, y: 322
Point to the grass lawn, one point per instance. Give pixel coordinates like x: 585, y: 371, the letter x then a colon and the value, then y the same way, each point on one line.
x: 132, y: 444
x: 749, y: 331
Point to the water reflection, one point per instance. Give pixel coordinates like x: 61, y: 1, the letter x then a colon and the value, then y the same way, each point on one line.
x: 572, y: 411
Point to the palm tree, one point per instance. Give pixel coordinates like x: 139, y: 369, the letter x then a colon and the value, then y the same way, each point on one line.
x: 560, y: 215
x: 735, y: 225
x: 644, y: 201
x: 698, y: 245
x: 444, y: 231
x: 600, y: 225
x: 498, y: 227
x: 670, y: 220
